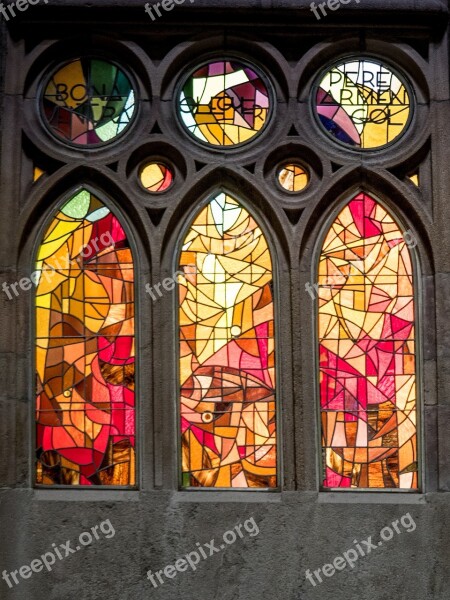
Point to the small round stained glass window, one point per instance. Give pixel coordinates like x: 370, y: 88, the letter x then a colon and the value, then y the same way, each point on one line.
x: 293, y: 177
x: 225, y: 103
x: 156, y: 177
x: 363, y: 103
x: 88, y: 102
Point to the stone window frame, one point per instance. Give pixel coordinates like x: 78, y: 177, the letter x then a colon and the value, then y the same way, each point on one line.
x: 157, y: 222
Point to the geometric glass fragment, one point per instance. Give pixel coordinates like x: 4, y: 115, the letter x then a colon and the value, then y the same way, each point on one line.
x: 362, y: 103
x: 227, y: 351
x: 415, y: 179
x: 224, y: 103
x: 37, y: 173
x: 293, y: 177
x: 88, y: 102
x: 156, y: 177
x: 367, y: 351
x: 85, y: 348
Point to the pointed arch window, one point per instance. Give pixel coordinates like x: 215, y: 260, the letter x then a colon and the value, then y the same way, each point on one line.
x: 367, y: 358
x: 85, y: 348
x: 227, y: 350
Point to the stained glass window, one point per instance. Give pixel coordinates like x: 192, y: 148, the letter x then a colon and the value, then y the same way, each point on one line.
x: 367, y: 351
x: 363, y: 103
x: 85, y: 348
x: 227, y: 351
x: 88, y: 102
x: 225, y: 103
x: 156, y: 177
x: 293, y: 177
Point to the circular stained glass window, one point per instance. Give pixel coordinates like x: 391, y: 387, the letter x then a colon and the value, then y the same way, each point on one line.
x: 293, y: 177
x: 156, y: 177
x: 88, y: 102
x: 362, y: 103
x: 224, y: 103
